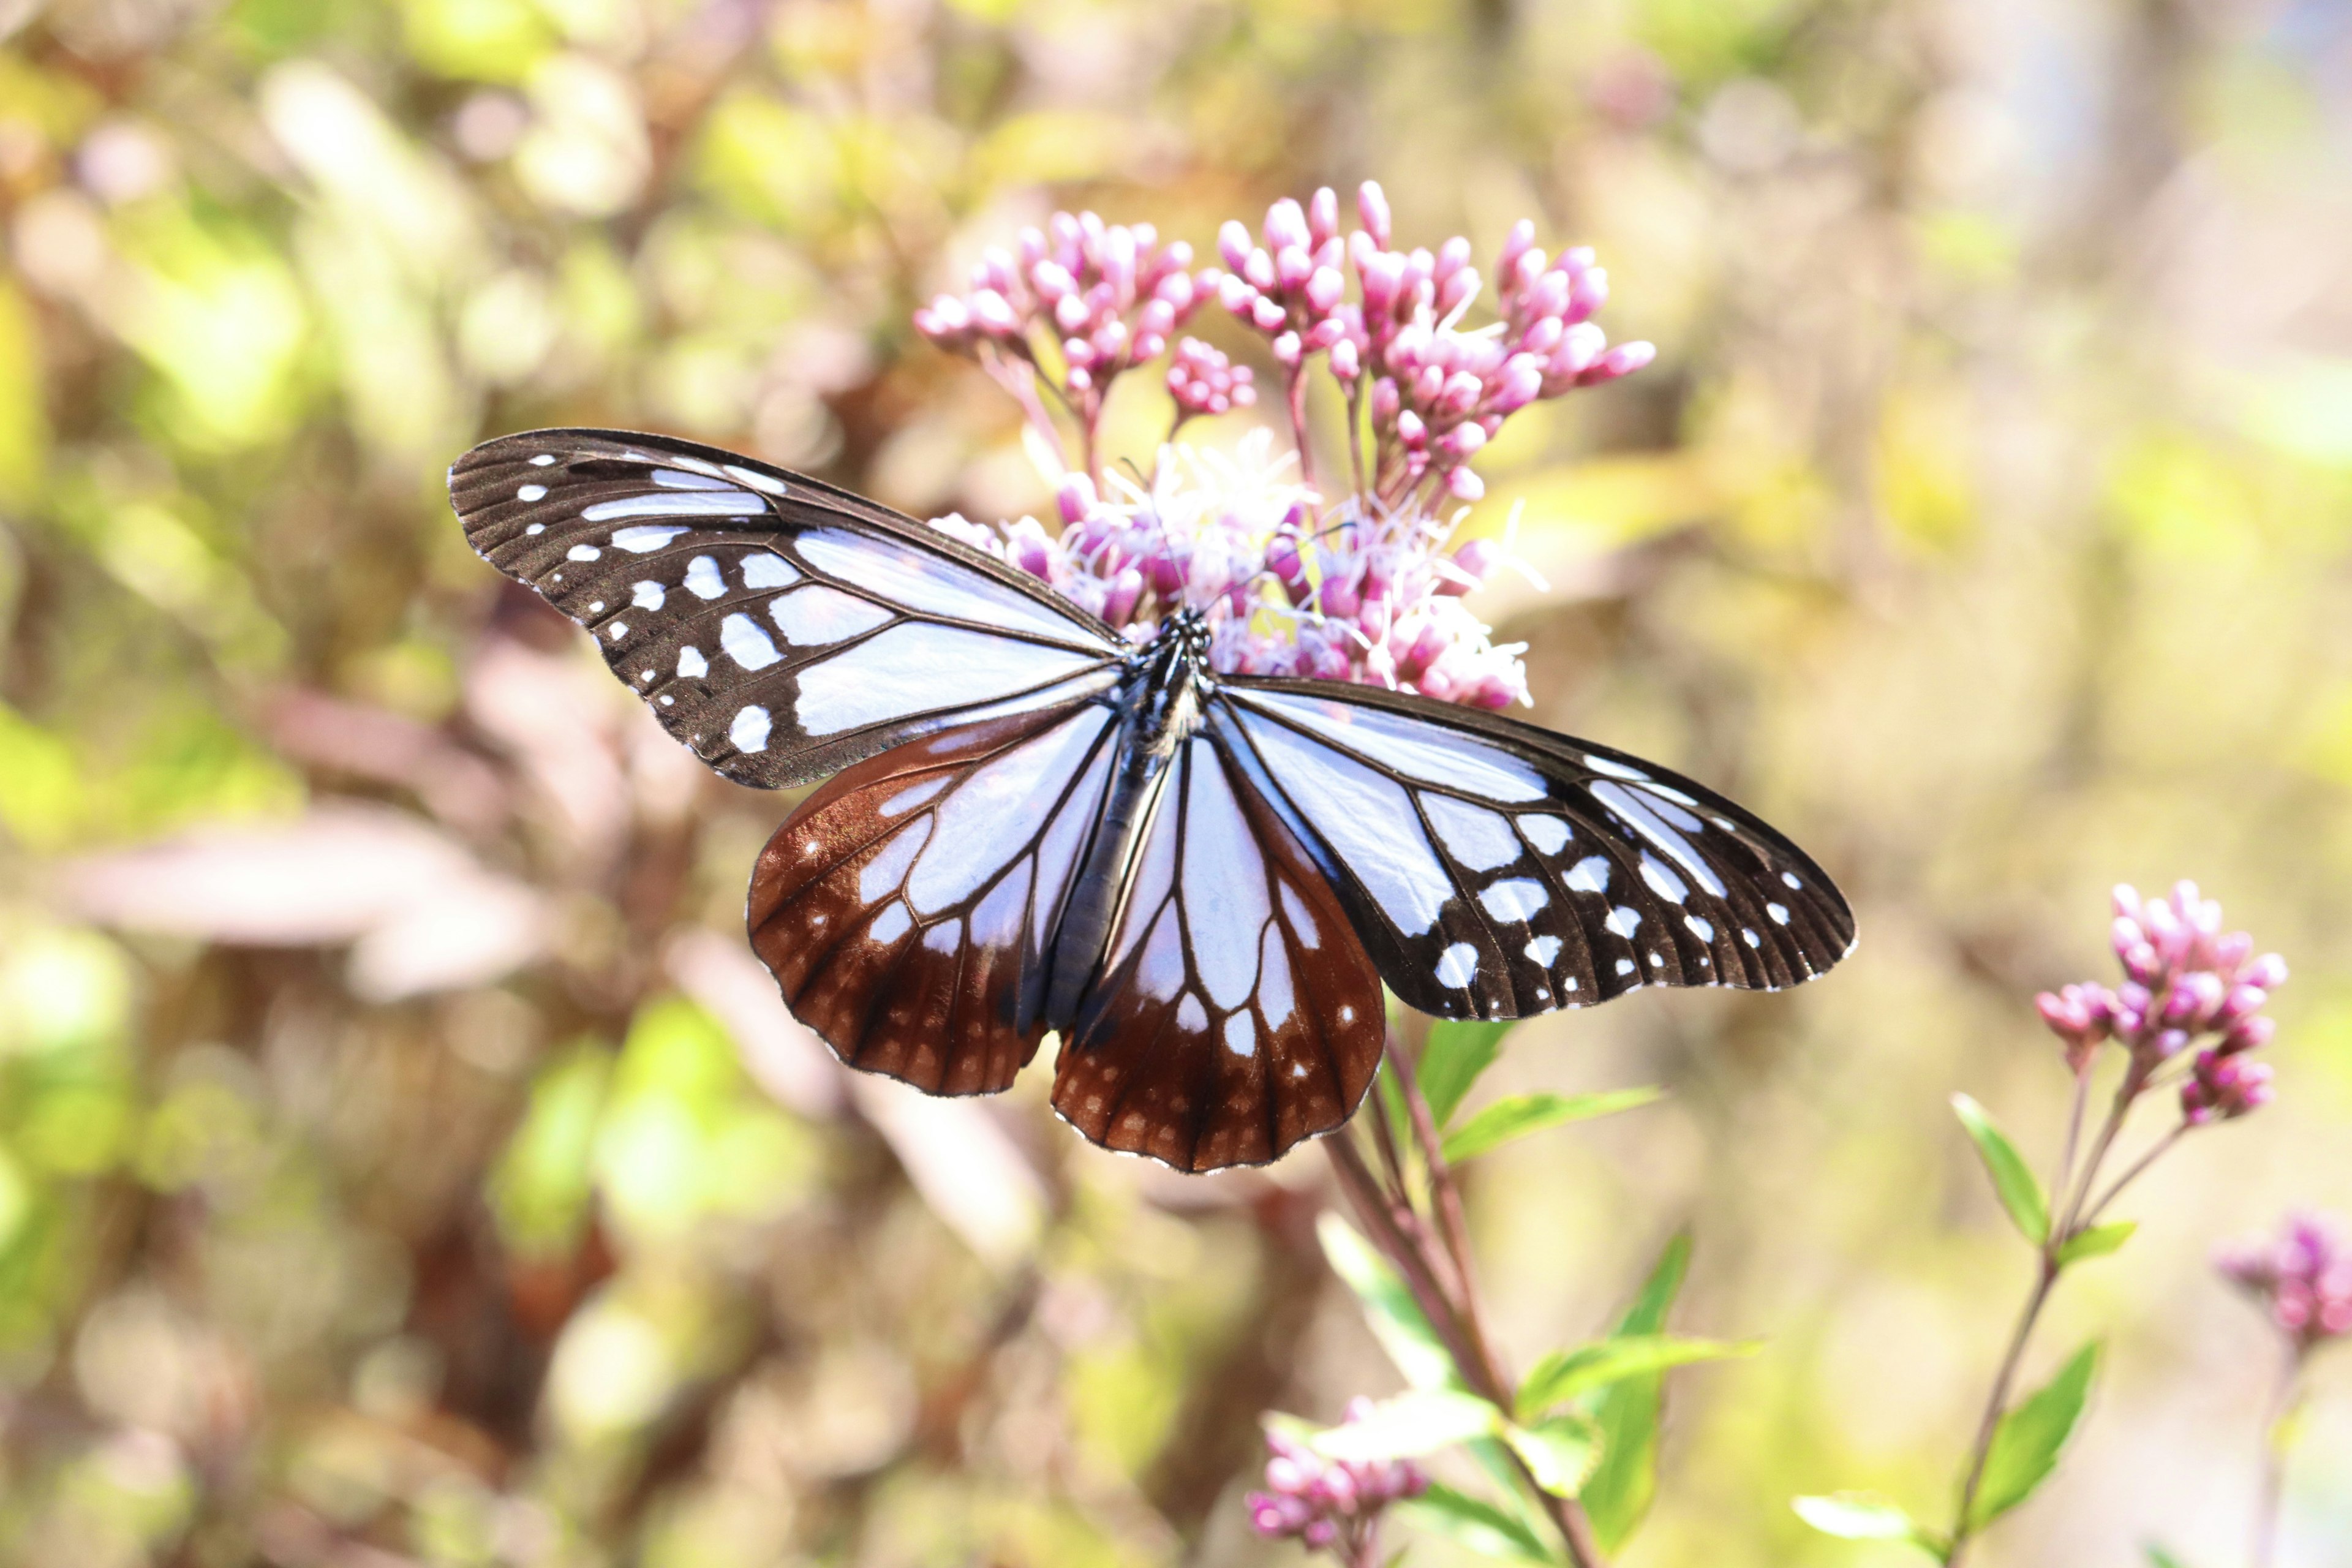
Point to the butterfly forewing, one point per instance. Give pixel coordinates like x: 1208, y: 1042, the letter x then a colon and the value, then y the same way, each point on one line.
x: 908, y: 908
x: 1236, y: 1011
x: 780, y: 627
x: 1496, y: 870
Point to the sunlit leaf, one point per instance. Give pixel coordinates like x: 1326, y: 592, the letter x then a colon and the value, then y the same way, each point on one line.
x: 1395, y: 1317
x: 2098, y: 1241
x: 1560, y: 1452
x: 1480, y: 1526
x: 1564, y: 1374
x: 1418, y: 1421
x: 1618, y: 1495
x: 1521, y: 1114
x: 1457, y: 1052
x: 1863, y: 1516
x: 2020, y: 1194
x: 2026, y: 1445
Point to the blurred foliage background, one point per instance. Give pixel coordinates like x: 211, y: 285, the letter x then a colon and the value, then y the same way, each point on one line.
x: 402, y: 1159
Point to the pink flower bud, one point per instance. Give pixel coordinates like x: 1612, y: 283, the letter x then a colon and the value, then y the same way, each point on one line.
x: 1516, y: 245
x: 1234, y: 244
x: 1051, y: 281
x: 1074, y: 496
x: 1623, y: 360
x: 1292, y: 268
x: 1258, y: 268
x: 1466, y: 484
x: 993, y: 315
x: 2269, y: 971
x: 1286, y: 349
x: 1385, y: 399
x: 1285, y: 224
x: 1579, y: 345
x: 1410, y: 429
x: 1324, y: 286
x: 1126, y: 589
x: 2250, y: 1034
x: 1372, y: 209
x: 1235, y: 294
x: 1343, y: 359
x: 1463, y: 442
x: 1521, y: 383
x: 1587, y: 293
x: 1338, y: 598
x: 1323, y: 215
x: 1267, y: 316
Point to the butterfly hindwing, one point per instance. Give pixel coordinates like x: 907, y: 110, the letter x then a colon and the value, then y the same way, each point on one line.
x: 1494, y: 870
x: 780, y: 627
x: 1234, y: 1012
x: 908, y: 908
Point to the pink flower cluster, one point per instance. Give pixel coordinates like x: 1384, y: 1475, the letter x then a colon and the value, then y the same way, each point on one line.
x: 2304, y: 1276
x: 1327, y: 1503
x: 1363, y: 583
x: 1107, y: 295
x: 2186, y: 982
x: 1437, y: 393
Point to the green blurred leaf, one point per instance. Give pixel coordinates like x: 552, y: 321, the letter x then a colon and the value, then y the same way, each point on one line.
x: 2020, y: 1194
x: 1520, y: 1114
x: 2158, y: 1557
x: 1565, y: 1374
x: 24, y: 412
x: 1418, y: 1421
x: 1457, y: 1052
x: 1864, y: 1516
x: 539, y: 1189
x: 1480, y: 1526
x: 2026, y: 1446
x: 2098, y: 1241
x: 1618, y: 1495
x: 1561, y: 1453
x: 1395, y: 1317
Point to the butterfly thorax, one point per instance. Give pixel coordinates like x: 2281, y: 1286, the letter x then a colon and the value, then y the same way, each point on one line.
x: 1158, y: 705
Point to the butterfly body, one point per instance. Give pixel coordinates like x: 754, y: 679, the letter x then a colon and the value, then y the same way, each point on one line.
x: 1201, y: 881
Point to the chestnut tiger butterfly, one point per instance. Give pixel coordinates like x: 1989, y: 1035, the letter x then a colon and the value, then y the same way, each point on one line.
x: 1200, y: 881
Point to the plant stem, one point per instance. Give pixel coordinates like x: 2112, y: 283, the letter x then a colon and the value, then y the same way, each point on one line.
x: 2272, y: 1495
x: 1963, y: 1525
x: 1430, y: 1264
x: 2091, y: 1216
x: 1295, y: 397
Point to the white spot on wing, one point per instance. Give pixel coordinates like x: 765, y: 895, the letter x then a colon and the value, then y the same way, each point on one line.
x: 536, y: 528
x: 676, y: 504
x: 1702, y: 929
x: 1645, y: 822
x: 754, y: 477
x: 648, y: 595
x: 1415, y: 748
x: 1663, y: 882
x: 679, y: 480
x: 1624, y: 966
x: 889, y: 925
x: 933, y: 585
x: 1549, y: 835
x: 1514, y: 899
x: 1625, y: 920
x: 543, y: 460
x: 1301, y: 918
x: 531, y: 492
x: 1543, y: 949
x: 746, y: 644
x: 691, y: 665
x: 1591, y: 875
x: 1241, y: 1035
x: 766, y: 569
x: 1368, y: 820
x: 1750, y: 938
x: 1457, y: 965
x: 917, y: 668
x: 1480, y: 839
x: 1780, y: 915
x: 702, y: 578
x: 749, y: 733
x: 987, y: 820
x: 815, y: 614
x: 944, y: 937
x: 1226, y: 901
x: 1274, y: 994
x: 1192, y: 1017
x: 582, y: 552
x: 1790, y: 879
x: 644, y: 540
x: 883, y: 875
x: 907, y: 799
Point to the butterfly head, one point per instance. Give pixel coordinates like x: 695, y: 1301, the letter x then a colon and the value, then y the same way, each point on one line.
x: 1186, y: 635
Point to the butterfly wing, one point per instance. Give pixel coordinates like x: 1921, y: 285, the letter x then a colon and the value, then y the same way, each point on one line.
x: 780, y: 627
x: 1494, y: 870
x: 1234, y: 1012
x: 908, y: 908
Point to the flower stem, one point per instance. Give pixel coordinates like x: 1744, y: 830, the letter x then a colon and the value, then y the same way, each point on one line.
x: 1433, y: 1257
x: 1297, y: 400
x: 2091, y: 1216
x: 1964, y: 1524
x: 2275, y: 1438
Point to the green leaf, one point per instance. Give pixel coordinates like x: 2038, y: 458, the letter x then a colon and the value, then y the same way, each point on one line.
x: 1618, y: 1494
x: 1559, y: 1453
x: 2011, y: 1178
x: 1394, y: 1316
x: 1418, y: 1421
x: 1864, y: 1516
x: 1520, y: 1114
x: 1480, y: 1526
x: 2097, y: 1241
x: 1457, y: 1052
x: 1564, y: 1374
x: 2026, y: 1445
x: 2158, y: 1557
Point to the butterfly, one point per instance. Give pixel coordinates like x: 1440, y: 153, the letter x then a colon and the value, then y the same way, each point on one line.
x: 1200, y: 881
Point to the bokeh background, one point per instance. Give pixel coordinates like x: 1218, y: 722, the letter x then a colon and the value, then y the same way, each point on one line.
x: 402, y: 1160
